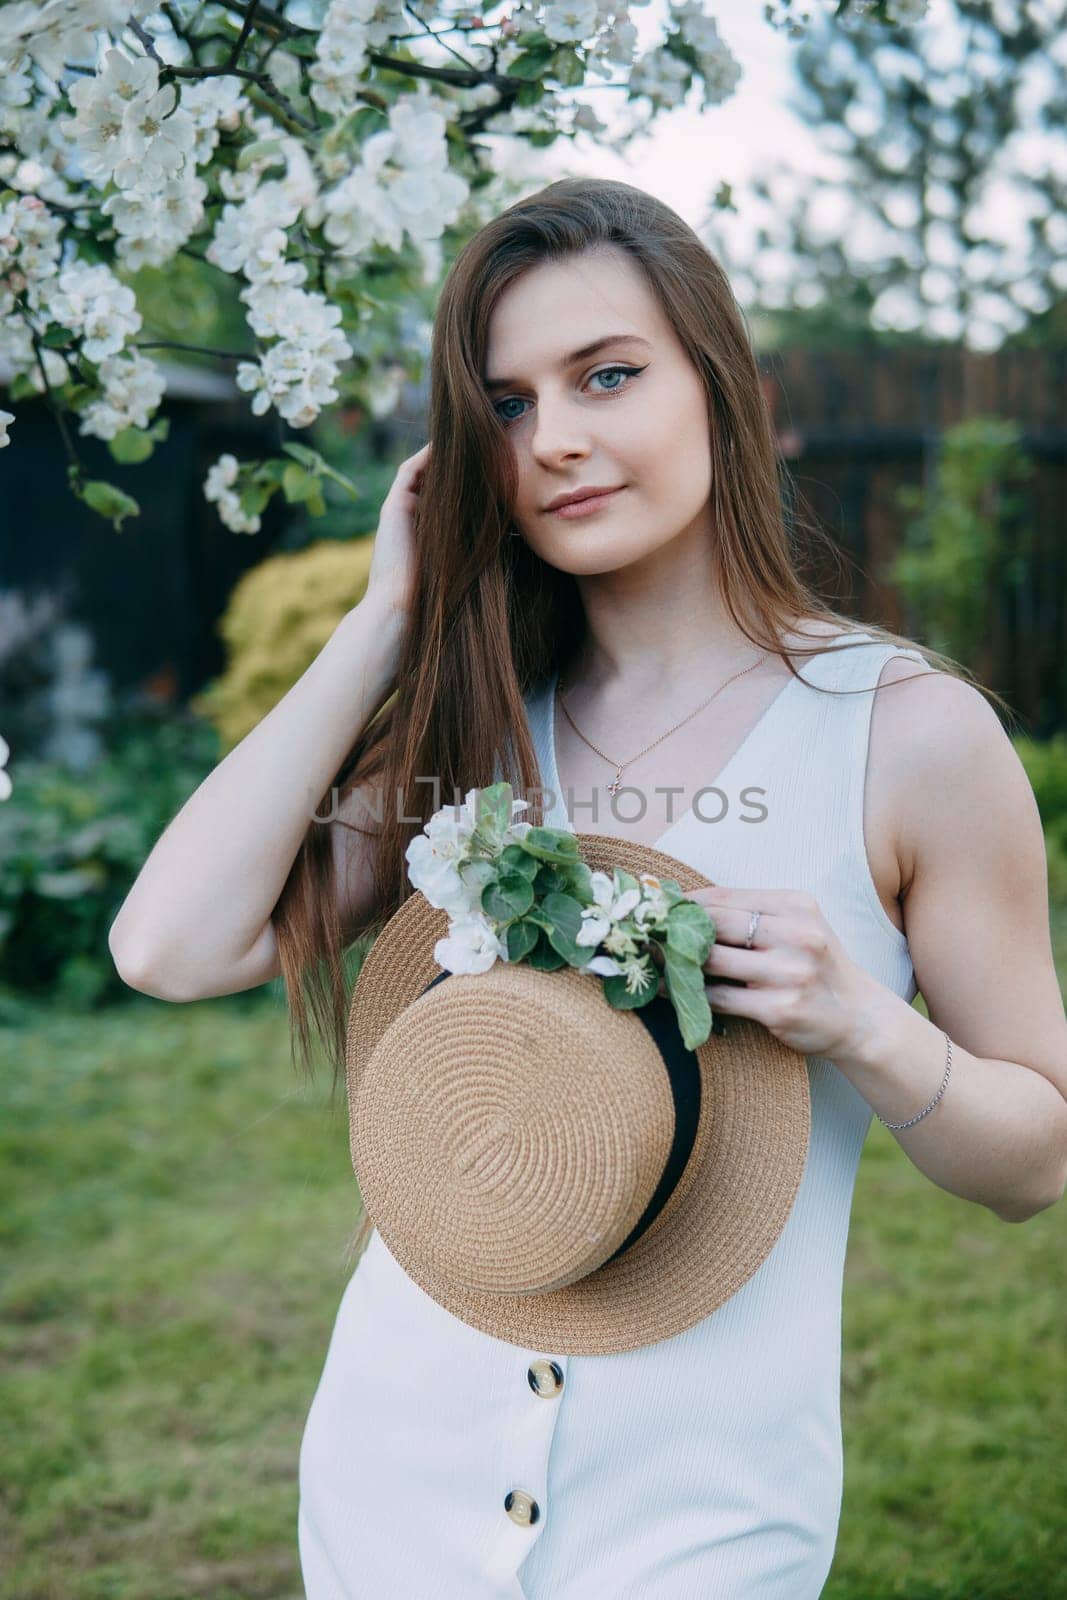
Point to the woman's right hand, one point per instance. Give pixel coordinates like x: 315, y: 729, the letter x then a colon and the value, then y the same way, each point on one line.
x: 392, y: 568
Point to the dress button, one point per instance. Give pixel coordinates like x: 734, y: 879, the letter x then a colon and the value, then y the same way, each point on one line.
x: 545, y: 1378
x: 521, y: 1507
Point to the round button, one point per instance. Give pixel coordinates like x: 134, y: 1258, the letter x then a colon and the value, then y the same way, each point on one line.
x: 521, y: 1507
x: 545, y: 1378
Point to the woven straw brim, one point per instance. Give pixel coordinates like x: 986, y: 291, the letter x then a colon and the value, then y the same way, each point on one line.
x: 716, y: 1229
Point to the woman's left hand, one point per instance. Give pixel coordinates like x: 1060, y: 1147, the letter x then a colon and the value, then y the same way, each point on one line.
x: 801, y: 983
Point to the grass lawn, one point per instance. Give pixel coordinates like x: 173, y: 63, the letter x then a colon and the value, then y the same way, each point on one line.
x: 175, y: 1212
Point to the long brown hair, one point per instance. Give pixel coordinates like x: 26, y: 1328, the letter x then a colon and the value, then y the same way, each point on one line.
x: 490, y: 619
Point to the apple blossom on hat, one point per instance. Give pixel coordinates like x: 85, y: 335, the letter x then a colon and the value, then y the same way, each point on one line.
x: 556, y: 1172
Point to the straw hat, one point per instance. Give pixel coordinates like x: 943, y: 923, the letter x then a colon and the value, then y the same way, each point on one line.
x: 560, y: 1174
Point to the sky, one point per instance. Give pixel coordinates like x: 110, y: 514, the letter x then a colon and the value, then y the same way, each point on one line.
x: 690, y: 151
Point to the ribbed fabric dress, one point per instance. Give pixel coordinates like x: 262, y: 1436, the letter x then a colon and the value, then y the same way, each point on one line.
x: 707, y: 1466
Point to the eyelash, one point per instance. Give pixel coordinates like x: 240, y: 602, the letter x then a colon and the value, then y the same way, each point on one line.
x: 629, y: 372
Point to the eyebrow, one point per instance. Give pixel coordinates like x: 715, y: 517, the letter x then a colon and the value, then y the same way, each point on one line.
x: 578, y: 355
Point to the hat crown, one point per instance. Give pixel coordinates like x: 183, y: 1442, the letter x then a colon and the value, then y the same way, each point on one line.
x: 535, y: 1122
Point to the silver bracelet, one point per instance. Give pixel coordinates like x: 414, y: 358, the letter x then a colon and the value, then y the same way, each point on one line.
x: 896, y: 1126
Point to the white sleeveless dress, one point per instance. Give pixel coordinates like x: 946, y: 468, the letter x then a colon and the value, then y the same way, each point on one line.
x: 708, y: 1464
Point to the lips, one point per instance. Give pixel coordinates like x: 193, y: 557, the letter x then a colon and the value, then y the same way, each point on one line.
x: 587, y: 504
x: 593, y: 492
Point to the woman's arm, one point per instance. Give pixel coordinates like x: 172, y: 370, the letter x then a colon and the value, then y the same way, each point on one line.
x: 197, y: 920
x: 976, y: 915
x: 975, y: 903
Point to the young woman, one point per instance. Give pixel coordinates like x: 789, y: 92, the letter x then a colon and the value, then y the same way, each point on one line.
x: 662, y: 637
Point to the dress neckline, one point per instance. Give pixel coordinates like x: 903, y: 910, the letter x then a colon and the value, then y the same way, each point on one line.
x: 673, y: 827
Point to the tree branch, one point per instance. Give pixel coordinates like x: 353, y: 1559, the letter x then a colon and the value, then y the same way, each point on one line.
x: 246, y: 29
x: 53, y: 404
x: 196, y: 349
x: 268, y: 20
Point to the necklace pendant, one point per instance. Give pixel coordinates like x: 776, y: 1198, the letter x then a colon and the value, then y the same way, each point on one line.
x: 613, y: 788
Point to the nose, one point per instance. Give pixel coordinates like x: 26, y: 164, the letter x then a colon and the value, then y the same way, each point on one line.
x: 560, y: 433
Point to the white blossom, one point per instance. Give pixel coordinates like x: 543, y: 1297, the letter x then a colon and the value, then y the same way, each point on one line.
x: 253, y: 229
x: 92, y: 301
x: 662, y: 77
x: 219, y: 487
x: 127, y: 128
x: 718, y: 67
x: 132, y: 387
x: 471, y: 945
x: 434, y: 857
x: 403, y: 184
x: 59, y: 31
x: 220, y: 476
x: 211, y: 104
x: 154, y: 223
x: 569, y: 21
x: 611, y: 903
x: 6, y: 419
x: 30, y: 237
x: 298, y: 375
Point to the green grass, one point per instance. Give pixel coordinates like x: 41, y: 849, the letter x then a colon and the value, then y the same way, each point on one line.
x: 176, y: 1208
x: 175, y: 1214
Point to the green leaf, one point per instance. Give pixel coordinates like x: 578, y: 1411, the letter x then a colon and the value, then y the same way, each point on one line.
x: 315, y: 463
x: 531, y: 64
x: 551, y: 844
x: 576, y: 878
x: 516, y: 859
x: 295, y: 481
x: 568, y: 69
x: 130, y: 446
x: 519, y: 939
x: 301, y: 453
x: 544, y: 957
x: 685, y: 988
x: 253, y: 498
x: 511, y: 895
x: 618, y: 993
x: 492, y: 815
x: 300, y: 45
x: 272, y: 149
x: 690, y: 931
x: 108, y: 501
x: 551, y: 880
x: 531, y: 94
x: 565, y: 916
x: 56, y: 338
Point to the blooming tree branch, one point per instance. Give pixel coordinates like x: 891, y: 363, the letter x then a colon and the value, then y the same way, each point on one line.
x: 316, y: 150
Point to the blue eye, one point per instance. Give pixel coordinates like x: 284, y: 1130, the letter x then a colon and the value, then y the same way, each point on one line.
x: 627, y: 372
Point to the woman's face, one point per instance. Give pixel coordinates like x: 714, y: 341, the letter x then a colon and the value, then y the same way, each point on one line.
x: 631, y: 414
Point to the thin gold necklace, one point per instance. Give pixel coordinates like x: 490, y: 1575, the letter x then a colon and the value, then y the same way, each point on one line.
x: 614, y: 786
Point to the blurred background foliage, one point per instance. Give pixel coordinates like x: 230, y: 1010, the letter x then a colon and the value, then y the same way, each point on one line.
x: 280, y: 615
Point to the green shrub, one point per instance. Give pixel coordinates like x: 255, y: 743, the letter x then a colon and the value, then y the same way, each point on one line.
x: 1045, y: 761
x: 71, y: 844
x: 278, y: 618
x: 964, y: 539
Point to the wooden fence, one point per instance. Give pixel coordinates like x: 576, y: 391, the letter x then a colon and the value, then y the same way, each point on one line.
x: 855, y: 425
